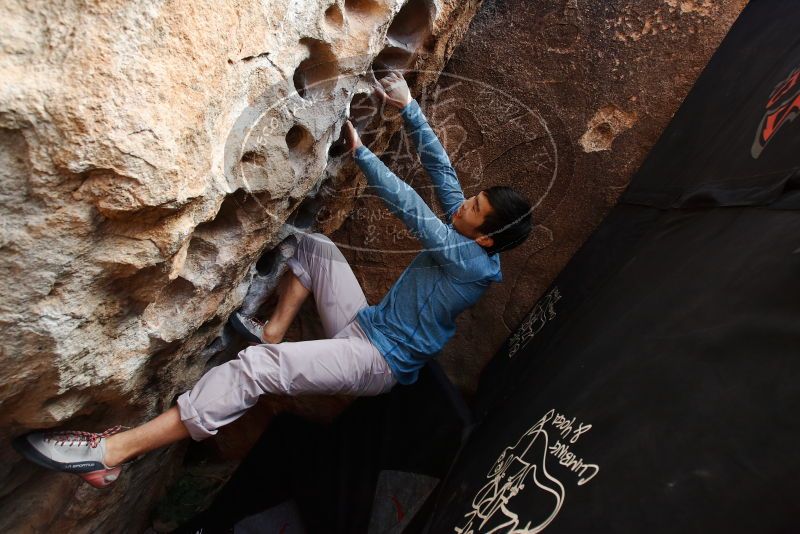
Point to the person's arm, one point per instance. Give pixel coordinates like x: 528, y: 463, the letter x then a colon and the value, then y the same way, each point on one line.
x: 394, y: 91
x: 449, y: 247
x: 433, y: 158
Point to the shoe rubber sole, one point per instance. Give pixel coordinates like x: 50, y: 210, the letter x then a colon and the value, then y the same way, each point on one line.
x: 102, y: 478
x: 99, y: 478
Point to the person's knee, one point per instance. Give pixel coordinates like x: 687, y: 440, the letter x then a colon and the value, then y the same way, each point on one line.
x: 320, y: 237
x: 316, y: 241
x: 320, y: 245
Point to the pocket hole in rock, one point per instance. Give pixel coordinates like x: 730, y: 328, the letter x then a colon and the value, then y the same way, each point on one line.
x: 317, y: 74
x: 411, y: 26
x: 225, y: 224
x: 368, y: 8
x: 304, y: 217
x: 269, y: 261
x: 254, y: 158
x: 339, y: 147
x: 140, y: 289
x: 389, y: 59
x: 334, y: 17
x: 363, y: 110
x: 300, y: 141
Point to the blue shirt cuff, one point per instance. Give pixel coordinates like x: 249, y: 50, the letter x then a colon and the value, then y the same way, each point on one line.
x: 361, y: 152
x: 410, y: 111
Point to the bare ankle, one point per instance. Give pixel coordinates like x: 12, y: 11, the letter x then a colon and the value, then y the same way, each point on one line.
x: 272, y: 339
x: 271, y: 334
x: 113, y: 456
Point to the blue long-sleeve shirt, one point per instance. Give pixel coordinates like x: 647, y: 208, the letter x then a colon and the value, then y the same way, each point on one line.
x: 417, y: 316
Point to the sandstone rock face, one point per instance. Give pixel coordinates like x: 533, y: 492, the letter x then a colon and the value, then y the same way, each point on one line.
x: 561, y: 99
x: 150, y: 153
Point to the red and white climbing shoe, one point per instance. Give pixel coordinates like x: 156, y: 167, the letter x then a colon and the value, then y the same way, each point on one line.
x: 80, y: 453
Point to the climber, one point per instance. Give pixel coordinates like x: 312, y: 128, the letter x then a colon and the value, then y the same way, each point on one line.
x: 368, y: 348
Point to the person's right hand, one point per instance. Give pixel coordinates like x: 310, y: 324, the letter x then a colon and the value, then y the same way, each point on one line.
x: 394, y: 90
x: 351, y: 134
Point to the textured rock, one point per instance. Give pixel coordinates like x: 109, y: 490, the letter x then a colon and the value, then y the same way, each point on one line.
x: 150, y: 153
x: 152, y: 156
x: 561, y: 98
x: 604, y: 127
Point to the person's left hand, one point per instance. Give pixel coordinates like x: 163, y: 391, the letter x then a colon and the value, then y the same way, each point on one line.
x: 394, y: 90
x: 353, y: 139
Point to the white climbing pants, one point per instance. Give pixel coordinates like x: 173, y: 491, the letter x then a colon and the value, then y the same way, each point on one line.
x: 346, y: 363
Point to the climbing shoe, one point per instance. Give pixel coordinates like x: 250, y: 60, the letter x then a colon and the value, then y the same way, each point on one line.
x: 248, y: 327
x: 79, y: 453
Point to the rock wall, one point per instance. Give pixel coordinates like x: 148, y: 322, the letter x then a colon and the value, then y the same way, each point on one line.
x: 154, y: 155
x: 150, y: 154
x: 559, y: 98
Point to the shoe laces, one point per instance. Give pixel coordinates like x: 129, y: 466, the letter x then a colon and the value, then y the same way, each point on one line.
x: 77, y: 437
x: 254, y: 322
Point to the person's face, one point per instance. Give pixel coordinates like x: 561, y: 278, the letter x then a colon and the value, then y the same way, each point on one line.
x: 468, y: 218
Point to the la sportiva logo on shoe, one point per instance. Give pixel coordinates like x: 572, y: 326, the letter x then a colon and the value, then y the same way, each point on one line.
x: 782, y: 107
x: 80, y: 467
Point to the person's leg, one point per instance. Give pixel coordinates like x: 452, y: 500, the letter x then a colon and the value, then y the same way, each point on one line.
x: 168, y: 428
x: 317, y: 267
x: 164, y: 430
x: 349, y: 364
x: 346, y: 365
x: 291, y: 295
x: 321, y: 267
x: 326, y: 273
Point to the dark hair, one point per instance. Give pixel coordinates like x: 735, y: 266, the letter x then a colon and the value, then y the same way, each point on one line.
x: 509, y: 223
